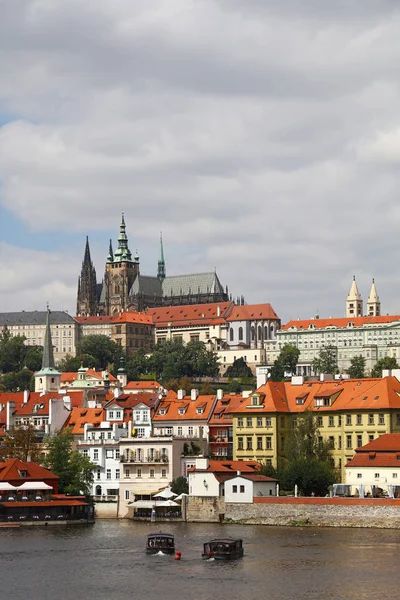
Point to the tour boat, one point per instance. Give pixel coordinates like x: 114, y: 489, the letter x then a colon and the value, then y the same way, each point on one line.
x: 160, y: 542
x: 223, y: 549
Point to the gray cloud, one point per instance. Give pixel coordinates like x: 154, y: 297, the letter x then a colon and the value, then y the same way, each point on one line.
x: 261, y: 137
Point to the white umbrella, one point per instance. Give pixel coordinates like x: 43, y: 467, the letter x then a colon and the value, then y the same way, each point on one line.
x: 7, y: 486
x: 35, y: 485
x: 167, y: 493
x: 181, y: 496
x: 167, y: 503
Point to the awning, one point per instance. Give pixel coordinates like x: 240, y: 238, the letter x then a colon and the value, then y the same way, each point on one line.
x: 167, y: 503
x: 6, y: 486
x: 146, y: 492
x: 34, y: 485
x: 142, y: 504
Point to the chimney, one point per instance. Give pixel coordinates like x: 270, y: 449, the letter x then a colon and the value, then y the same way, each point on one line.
x: 26, y: 396
x: 181, y: 394
x: 297, y: 380
x: 116, y: 392
x: 238, y: 473
x: 194, y: 394
x: 220, y: 394
x: 218, y: 311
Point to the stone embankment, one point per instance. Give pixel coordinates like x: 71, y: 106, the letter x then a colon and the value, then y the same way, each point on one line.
x: 320, y: 512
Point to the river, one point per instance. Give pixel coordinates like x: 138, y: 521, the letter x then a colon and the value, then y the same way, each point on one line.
x: 107, y: 562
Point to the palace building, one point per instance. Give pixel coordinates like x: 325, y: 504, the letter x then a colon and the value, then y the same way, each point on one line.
x: 125, y: 288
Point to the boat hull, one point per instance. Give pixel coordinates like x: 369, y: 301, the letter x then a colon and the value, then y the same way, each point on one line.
x: 157, y: 550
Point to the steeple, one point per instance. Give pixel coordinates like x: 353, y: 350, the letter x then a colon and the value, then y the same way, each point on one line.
x: 110, y: 257
x: 86, y: 302
x: 373, y: 303
x: 48, y: 378
x: 354, y: 303
x: 161, y: 262
x: 122, y: 254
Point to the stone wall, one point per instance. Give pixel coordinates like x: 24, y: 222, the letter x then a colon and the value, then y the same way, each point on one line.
x: 106, y: 510
x: 204, y: 508
x: 329, y: 512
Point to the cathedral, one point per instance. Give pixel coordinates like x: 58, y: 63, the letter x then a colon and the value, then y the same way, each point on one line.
x: 125, y: 288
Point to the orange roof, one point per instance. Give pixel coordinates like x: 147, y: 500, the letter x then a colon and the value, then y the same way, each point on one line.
x: 340, y: 322
x: 80, y: 416
x: 388, y: 442
x: 382, y: 452
x: 102, y: 319
x: 142, y: 385
x: 344, y: 395
x: 190, y: 314
x: 11, y: 470
x: 68, y: 376
x: 132, y: 400
x: 42, y: 402
x: 17, y: 397
x: 125, y: 317
x: 230, y: 466
x: 252, y: 312
x: 221, y: 414
x: 49, y: 503
x: 172, y: 406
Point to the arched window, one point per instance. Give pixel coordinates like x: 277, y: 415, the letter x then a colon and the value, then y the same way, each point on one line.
x: 259, y: 332
x: 240, y: 334
x: 253, y: 334
x: 98, y: 490
x: 116, y: 289
x: 231, y: 335
x: 265, y: 332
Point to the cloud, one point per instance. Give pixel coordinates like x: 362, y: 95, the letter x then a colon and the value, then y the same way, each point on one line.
x: 262, y: 138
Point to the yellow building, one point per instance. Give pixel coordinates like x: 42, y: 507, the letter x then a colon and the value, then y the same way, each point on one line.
x: 350, y: 414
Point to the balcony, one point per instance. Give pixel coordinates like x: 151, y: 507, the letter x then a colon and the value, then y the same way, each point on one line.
x: 145, y: 460
x: 219, y: 440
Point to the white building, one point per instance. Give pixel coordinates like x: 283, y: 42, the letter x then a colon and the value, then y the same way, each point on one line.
x: 376, y: 464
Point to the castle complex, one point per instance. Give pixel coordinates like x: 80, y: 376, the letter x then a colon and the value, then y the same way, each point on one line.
x: 125, y: 288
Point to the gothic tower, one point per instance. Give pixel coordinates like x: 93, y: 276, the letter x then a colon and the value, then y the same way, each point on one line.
x: 354, y: 303
x: 161, y: 262
x: 86, y: 303
x: 48, y: 379
x: 121, y: 272
x: 373, y: 303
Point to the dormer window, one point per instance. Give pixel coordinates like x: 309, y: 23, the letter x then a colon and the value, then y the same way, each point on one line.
x: 254, y: 400
x: 199, y: 411
x: 162, y: 411
x: 182, y: 411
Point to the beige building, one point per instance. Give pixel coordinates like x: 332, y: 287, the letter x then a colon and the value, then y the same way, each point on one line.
x: 32, y: 325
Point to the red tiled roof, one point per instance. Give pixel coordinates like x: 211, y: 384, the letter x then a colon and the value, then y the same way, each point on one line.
x: 80, y: 416
x: 340, y: 322
x: 142, y: 385
x: 384, y: 451
x: 172, y: 406
x: 223, y: 409
x: 95, y: 319
x: 190, y: 314
x: 50, y: 503
x: 10, y: 470
x: 125, y: 317
x: 67, y: 376
x: 252, y: 312
x: 42, y: 401
x: 230, y: 466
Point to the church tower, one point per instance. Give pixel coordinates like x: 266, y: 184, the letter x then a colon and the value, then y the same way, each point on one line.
x: 161, y: 262
x: 354, y: 303
x: 373, y: 303
x: 121, y: 272
x: 86, y: 303
x: 48, y: 379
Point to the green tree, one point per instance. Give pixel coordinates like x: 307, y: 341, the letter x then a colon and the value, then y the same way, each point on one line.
x: 310, y: 475
x: 136, y: 365
x: 105, y: 351
x: 239, y: 368
x: 21, y: 442
x: 180, y: 485
x: 75, y: 471
x: 357, y: 367
x: 285, y: 363
x: 305, y: 440
x: 33, y: 358
x: 71, y: 364
x: 12, y: 352
x: 173, y: 359
x: 326, y: 362
x: 388, y: 362
x: 17, y: 382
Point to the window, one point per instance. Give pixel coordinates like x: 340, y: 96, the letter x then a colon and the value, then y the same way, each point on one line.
x: 240, y: 443
x: 242, y: 489
x: 268, y: 422
x: 110, y: 414
x: 231, y: 335
x: 254, y: 400
x: 117, y: 453
x: 331, y: 442
x: 190, y: 430
x: 249, y: 422
x: 359, y: 441
x: 118, y: 414
x: 319, y: 421
x: 339, y: 420
x: 85, y: 453
x: 98, y: 473
x: 359, y: 475
x: 348, y: 442
x: 169, y: 430
x: 180, y: 430
x: 282, y: 442
x: 376, y: 475
x: 249, y: 443
x: 126, y: 494
x: 394, y: 475
x: 110, y: 453
x: 381, y: 419
x: 268, y: 442
x: 108, y: 473
x: 139, y: 473
x: 331, y: 421
x: 240, y: 334
x: 371, y: 419
x: 371, y: 437
x: 152, y: 473
x: 282, y: 421
x: 127, y: 473
x: 359, y: 419
x: 109, y: 434
x: 240, y: 421
x: 163, y: 473
x: 95, y: 454
x: 234, y: 489
x: 259, y: 443
x: 259, y: 421
x: 348, y: 419
x: 340, y: 442
x: 117, y: 473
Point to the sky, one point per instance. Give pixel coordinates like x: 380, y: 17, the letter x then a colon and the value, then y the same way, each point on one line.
x: 261, y: 137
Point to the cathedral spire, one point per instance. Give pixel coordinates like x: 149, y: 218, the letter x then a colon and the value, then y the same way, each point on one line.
x: 122, y: 254
x: 354, y: 303
x: 373, y: 302
x: 161, y: 262
x: 86, y: 303
x: 87, y: 259
x: 110, y: 257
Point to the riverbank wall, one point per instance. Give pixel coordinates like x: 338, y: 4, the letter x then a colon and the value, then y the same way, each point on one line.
x: 320, y: 512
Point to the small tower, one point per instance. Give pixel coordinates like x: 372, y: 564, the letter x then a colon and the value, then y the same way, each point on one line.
x: 354, y: 303
x: 86, y: 303
x: 121, y: 375
x: 48, y: 379
x: 373, y: 303
x: 161, y: 262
